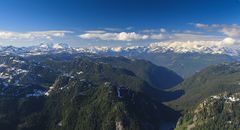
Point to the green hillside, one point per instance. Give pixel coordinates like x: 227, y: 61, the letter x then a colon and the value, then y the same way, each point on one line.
x: 210, y: 81
x: 87, y: 95
x: 218, y: 112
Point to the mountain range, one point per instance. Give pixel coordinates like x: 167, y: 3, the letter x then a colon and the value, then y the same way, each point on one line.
x: 185, y: 59
x: 55, y: 86
x: 162, y: 47
x: 43, y: 93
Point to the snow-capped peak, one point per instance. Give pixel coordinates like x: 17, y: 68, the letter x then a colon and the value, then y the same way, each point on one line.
x: 45, y: 45
x: 212, y: 47
x: 61, y: 46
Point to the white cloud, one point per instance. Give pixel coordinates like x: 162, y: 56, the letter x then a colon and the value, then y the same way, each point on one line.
x: 122, y: 36
x: 32, y: 35
x: 187, y: 44
x: 200, y: 39
x: 232, y: 31
x: 129, y: 28
x: 195, y: 44
x: 194, y: 37
x: 157, y: 36
x: 229, y: 41
x: 227, y: 30
x: 118, y: 29
x: 148, y: 34
x: 162, y: 30
x: 200, y: 25
x: 95, y: 31
x: 149, y: 30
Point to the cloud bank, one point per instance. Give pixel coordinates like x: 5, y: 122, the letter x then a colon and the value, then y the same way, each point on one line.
x: 122, y: 36
x: 155, y: 34
x: 220, y: 34
x: 228, y: 30
x: 32, y: 35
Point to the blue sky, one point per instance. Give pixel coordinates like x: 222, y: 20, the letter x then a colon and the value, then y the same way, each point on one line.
x: 116, y: 22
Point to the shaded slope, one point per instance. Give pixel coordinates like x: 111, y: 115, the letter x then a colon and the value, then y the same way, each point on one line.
x: 210, y: 81
x: 156, y: 76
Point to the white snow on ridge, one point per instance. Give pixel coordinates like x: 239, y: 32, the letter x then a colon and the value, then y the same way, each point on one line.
x: 49, y: 91
x: 3, y: 66
x: 211, y: 47
x: 18, y: 61
x: 60, y: 46
x: 231, y: 98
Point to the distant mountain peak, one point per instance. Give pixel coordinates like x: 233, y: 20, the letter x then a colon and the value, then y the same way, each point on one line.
x: 211, y: 47
x: 61, y: 46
